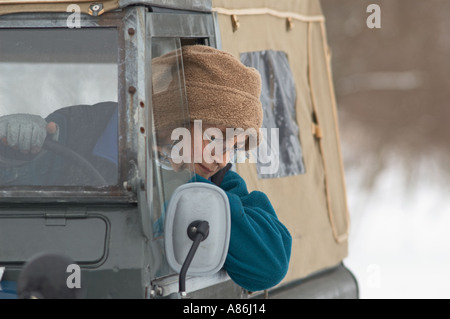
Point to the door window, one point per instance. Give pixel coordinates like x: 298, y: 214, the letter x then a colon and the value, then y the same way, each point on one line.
x: 278, y: 98
x: 169, y: 114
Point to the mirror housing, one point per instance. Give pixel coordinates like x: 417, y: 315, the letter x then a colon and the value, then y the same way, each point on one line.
x: 189, y: 204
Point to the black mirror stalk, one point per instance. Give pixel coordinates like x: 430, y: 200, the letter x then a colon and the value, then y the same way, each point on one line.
x: 197, y: 231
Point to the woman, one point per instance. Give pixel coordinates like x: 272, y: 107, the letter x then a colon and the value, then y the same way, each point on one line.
x: 222, y: 96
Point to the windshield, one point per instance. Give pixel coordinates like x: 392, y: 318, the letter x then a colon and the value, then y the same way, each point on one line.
x: 169, y: 114
x: 58, y: 107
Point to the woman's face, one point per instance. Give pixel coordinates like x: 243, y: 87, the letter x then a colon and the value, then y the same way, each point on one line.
x: 209, y: 149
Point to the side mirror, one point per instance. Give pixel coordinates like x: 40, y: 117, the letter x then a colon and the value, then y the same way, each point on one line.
x: 197, y: 230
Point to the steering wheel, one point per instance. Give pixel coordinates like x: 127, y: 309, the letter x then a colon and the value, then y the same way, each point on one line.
x: 67, y: 153
x: 75, y: 158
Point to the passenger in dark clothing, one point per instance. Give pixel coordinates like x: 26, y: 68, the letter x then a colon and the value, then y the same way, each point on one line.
x: 91, y: 131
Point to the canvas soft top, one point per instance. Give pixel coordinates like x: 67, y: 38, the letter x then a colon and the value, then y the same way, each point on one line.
x: 96, y: 8
x: 312, y: 204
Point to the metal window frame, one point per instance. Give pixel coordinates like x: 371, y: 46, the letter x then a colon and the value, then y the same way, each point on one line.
x: 122, y: 21
x: 182, y: 26
x: 134, y: 25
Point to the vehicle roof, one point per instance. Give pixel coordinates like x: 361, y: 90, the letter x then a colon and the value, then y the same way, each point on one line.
x: 86, y: 6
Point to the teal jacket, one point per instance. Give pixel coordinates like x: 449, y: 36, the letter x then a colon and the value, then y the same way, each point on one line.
x: 260, y: 245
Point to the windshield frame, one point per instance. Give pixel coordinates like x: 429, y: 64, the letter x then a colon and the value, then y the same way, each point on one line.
x: 186, y: 29
x: 128, y: 122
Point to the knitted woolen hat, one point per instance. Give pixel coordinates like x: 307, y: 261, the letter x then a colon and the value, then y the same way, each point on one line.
x: 218, y: 90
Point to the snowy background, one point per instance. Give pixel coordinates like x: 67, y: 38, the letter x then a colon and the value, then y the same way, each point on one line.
x: 392, y: 88
x: 399, y: 242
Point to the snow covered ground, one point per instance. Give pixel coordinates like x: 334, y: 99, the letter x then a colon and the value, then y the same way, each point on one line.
x: 399, y: 244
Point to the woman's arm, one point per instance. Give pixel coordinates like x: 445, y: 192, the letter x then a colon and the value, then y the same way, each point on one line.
x: 260, y: 245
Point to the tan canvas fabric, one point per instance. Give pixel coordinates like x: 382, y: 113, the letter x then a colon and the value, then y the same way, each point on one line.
x: 312, y: 205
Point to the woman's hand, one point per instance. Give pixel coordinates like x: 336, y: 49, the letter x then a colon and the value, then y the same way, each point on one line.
x: 26, y: 132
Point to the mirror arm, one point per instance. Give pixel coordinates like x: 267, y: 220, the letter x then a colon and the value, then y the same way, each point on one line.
x: 201, y: 230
